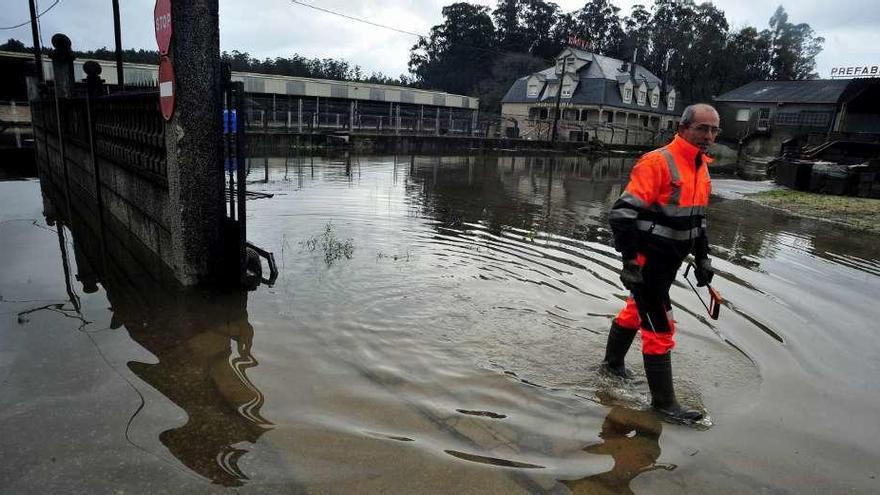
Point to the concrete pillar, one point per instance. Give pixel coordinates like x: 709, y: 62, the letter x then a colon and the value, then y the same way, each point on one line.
x: 192, y: 139
x: 62, y: 65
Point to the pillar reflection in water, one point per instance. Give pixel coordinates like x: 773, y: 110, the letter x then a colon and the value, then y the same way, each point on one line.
x: 632, y: 439
x: 204, y: 351
x: 202, y: 342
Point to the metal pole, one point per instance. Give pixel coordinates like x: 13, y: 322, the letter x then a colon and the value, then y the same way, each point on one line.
x: 38, y: 51
x: 558, y: 98
x: 117, y: 31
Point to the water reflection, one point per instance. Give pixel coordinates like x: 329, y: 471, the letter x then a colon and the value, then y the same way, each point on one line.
x: 202, y: 343
x: 632, y: 439
x: 203, y: 347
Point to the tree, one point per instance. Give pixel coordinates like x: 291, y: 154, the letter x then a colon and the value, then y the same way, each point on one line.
x: 458, y: 53
x: 598, y: 22
x: 505, y: 70
x: 747, y: 57
x: 794, y: 48
x: 13, y: 45
x: 540, y: 19
x: 510, y: 33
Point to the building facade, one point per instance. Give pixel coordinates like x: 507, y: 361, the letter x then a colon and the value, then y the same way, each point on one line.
x: 599, y: 97
x: 762, y: 115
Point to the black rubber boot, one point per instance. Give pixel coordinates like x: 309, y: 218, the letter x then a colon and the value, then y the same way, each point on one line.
x: 658, y: 369
x: 619, y: 341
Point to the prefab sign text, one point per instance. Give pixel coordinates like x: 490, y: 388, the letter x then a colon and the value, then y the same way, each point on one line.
x: 856, y: 71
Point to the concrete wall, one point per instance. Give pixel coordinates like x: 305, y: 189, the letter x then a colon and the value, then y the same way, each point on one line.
x: 130, y: 190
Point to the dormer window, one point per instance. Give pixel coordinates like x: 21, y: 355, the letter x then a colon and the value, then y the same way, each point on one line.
x: 643, y: 93
x: 627, y: 94
x: 670, y: 100
x: 566, y: 90
x: 534, y: 87
x: 655, y: 98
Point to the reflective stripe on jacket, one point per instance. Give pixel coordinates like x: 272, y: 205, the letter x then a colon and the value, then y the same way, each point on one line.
x: 663, y: 209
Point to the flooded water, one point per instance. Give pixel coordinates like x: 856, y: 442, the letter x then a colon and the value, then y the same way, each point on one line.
x: 436, y: 327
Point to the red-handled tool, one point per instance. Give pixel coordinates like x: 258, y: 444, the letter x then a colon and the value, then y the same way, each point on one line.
x: 715, y: 300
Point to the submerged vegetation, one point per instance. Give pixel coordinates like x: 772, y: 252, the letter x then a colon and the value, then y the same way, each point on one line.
x: 333, y: 248
x: 859, y: 213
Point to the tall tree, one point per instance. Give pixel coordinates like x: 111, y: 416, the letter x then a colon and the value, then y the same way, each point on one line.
x: 458, y: 53
x: 794, y: 48
x: 510, y: 33
x: 747, y: 57
x: 599, y: 23
x: 540, y: 19
x: 505, y: 70
x: 702, y: 76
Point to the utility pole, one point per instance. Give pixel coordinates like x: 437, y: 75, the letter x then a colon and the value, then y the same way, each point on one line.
x: 118, y: 35
x: 558, y: 98
x: 38, y: 51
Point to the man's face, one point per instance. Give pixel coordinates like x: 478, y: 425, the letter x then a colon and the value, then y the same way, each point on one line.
x: 703, y: 130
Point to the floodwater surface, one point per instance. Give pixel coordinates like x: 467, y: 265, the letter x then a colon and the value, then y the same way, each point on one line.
x: 436, y: 327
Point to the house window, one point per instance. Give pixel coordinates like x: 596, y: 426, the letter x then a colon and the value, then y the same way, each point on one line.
x: 763, y: 119
x: 544, y: 114
x: 742, y: 115
x: 566, y: 90
x: 810, y: 119
x: 627, y: 95
x: 609, y: 117
x: 670, y: 102
x: 655, y: 99
x: 533, y: 89
x: 642, y: 95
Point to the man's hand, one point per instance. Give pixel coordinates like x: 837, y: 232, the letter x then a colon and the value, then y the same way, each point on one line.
x: 704, y: 272
x: 631, y: 276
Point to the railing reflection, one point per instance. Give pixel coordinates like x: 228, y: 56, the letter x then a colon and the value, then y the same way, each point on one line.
x: 202, y: 342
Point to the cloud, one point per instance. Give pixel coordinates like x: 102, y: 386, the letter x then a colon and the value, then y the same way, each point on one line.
x: 279, y: 28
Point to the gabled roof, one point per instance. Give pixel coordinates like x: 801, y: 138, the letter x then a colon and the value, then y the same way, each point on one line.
x: 598, y: 83
x: 811, y: 91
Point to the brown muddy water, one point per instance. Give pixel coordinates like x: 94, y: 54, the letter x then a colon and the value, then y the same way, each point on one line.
x: 436, y: 327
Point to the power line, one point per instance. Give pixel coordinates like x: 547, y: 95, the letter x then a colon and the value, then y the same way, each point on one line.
x: 25, y: 23
x: 383, y: 26
x: 358, y: 19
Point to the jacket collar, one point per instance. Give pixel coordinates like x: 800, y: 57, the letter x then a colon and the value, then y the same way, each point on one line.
x: 681, y: 147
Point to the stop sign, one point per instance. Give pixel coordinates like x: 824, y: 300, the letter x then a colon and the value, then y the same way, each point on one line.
x: 166, y: 87
x: 162, y: 19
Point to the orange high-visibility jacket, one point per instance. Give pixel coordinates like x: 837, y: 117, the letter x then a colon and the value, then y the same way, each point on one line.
x: 662, y: 212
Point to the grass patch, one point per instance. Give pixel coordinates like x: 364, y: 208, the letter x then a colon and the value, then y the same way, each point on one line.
x: 859, y: 213
x: 334, y: 249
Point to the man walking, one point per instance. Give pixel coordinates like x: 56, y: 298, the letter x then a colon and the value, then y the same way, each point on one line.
x: 659, y: 219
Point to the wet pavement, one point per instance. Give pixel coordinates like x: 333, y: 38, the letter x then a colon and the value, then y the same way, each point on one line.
x: 436, y: 327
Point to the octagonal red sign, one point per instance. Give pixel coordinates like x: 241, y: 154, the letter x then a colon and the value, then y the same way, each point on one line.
x: 166, y: 88
x: 162, y: 21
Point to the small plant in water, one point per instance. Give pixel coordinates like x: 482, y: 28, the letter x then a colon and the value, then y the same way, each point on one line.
x: 333, y: 248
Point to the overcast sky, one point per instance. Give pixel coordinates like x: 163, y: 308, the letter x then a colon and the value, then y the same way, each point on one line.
x: 270, y: 28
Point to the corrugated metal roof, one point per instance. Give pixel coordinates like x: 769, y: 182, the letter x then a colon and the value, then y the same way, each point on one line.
x: 812, y: 91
